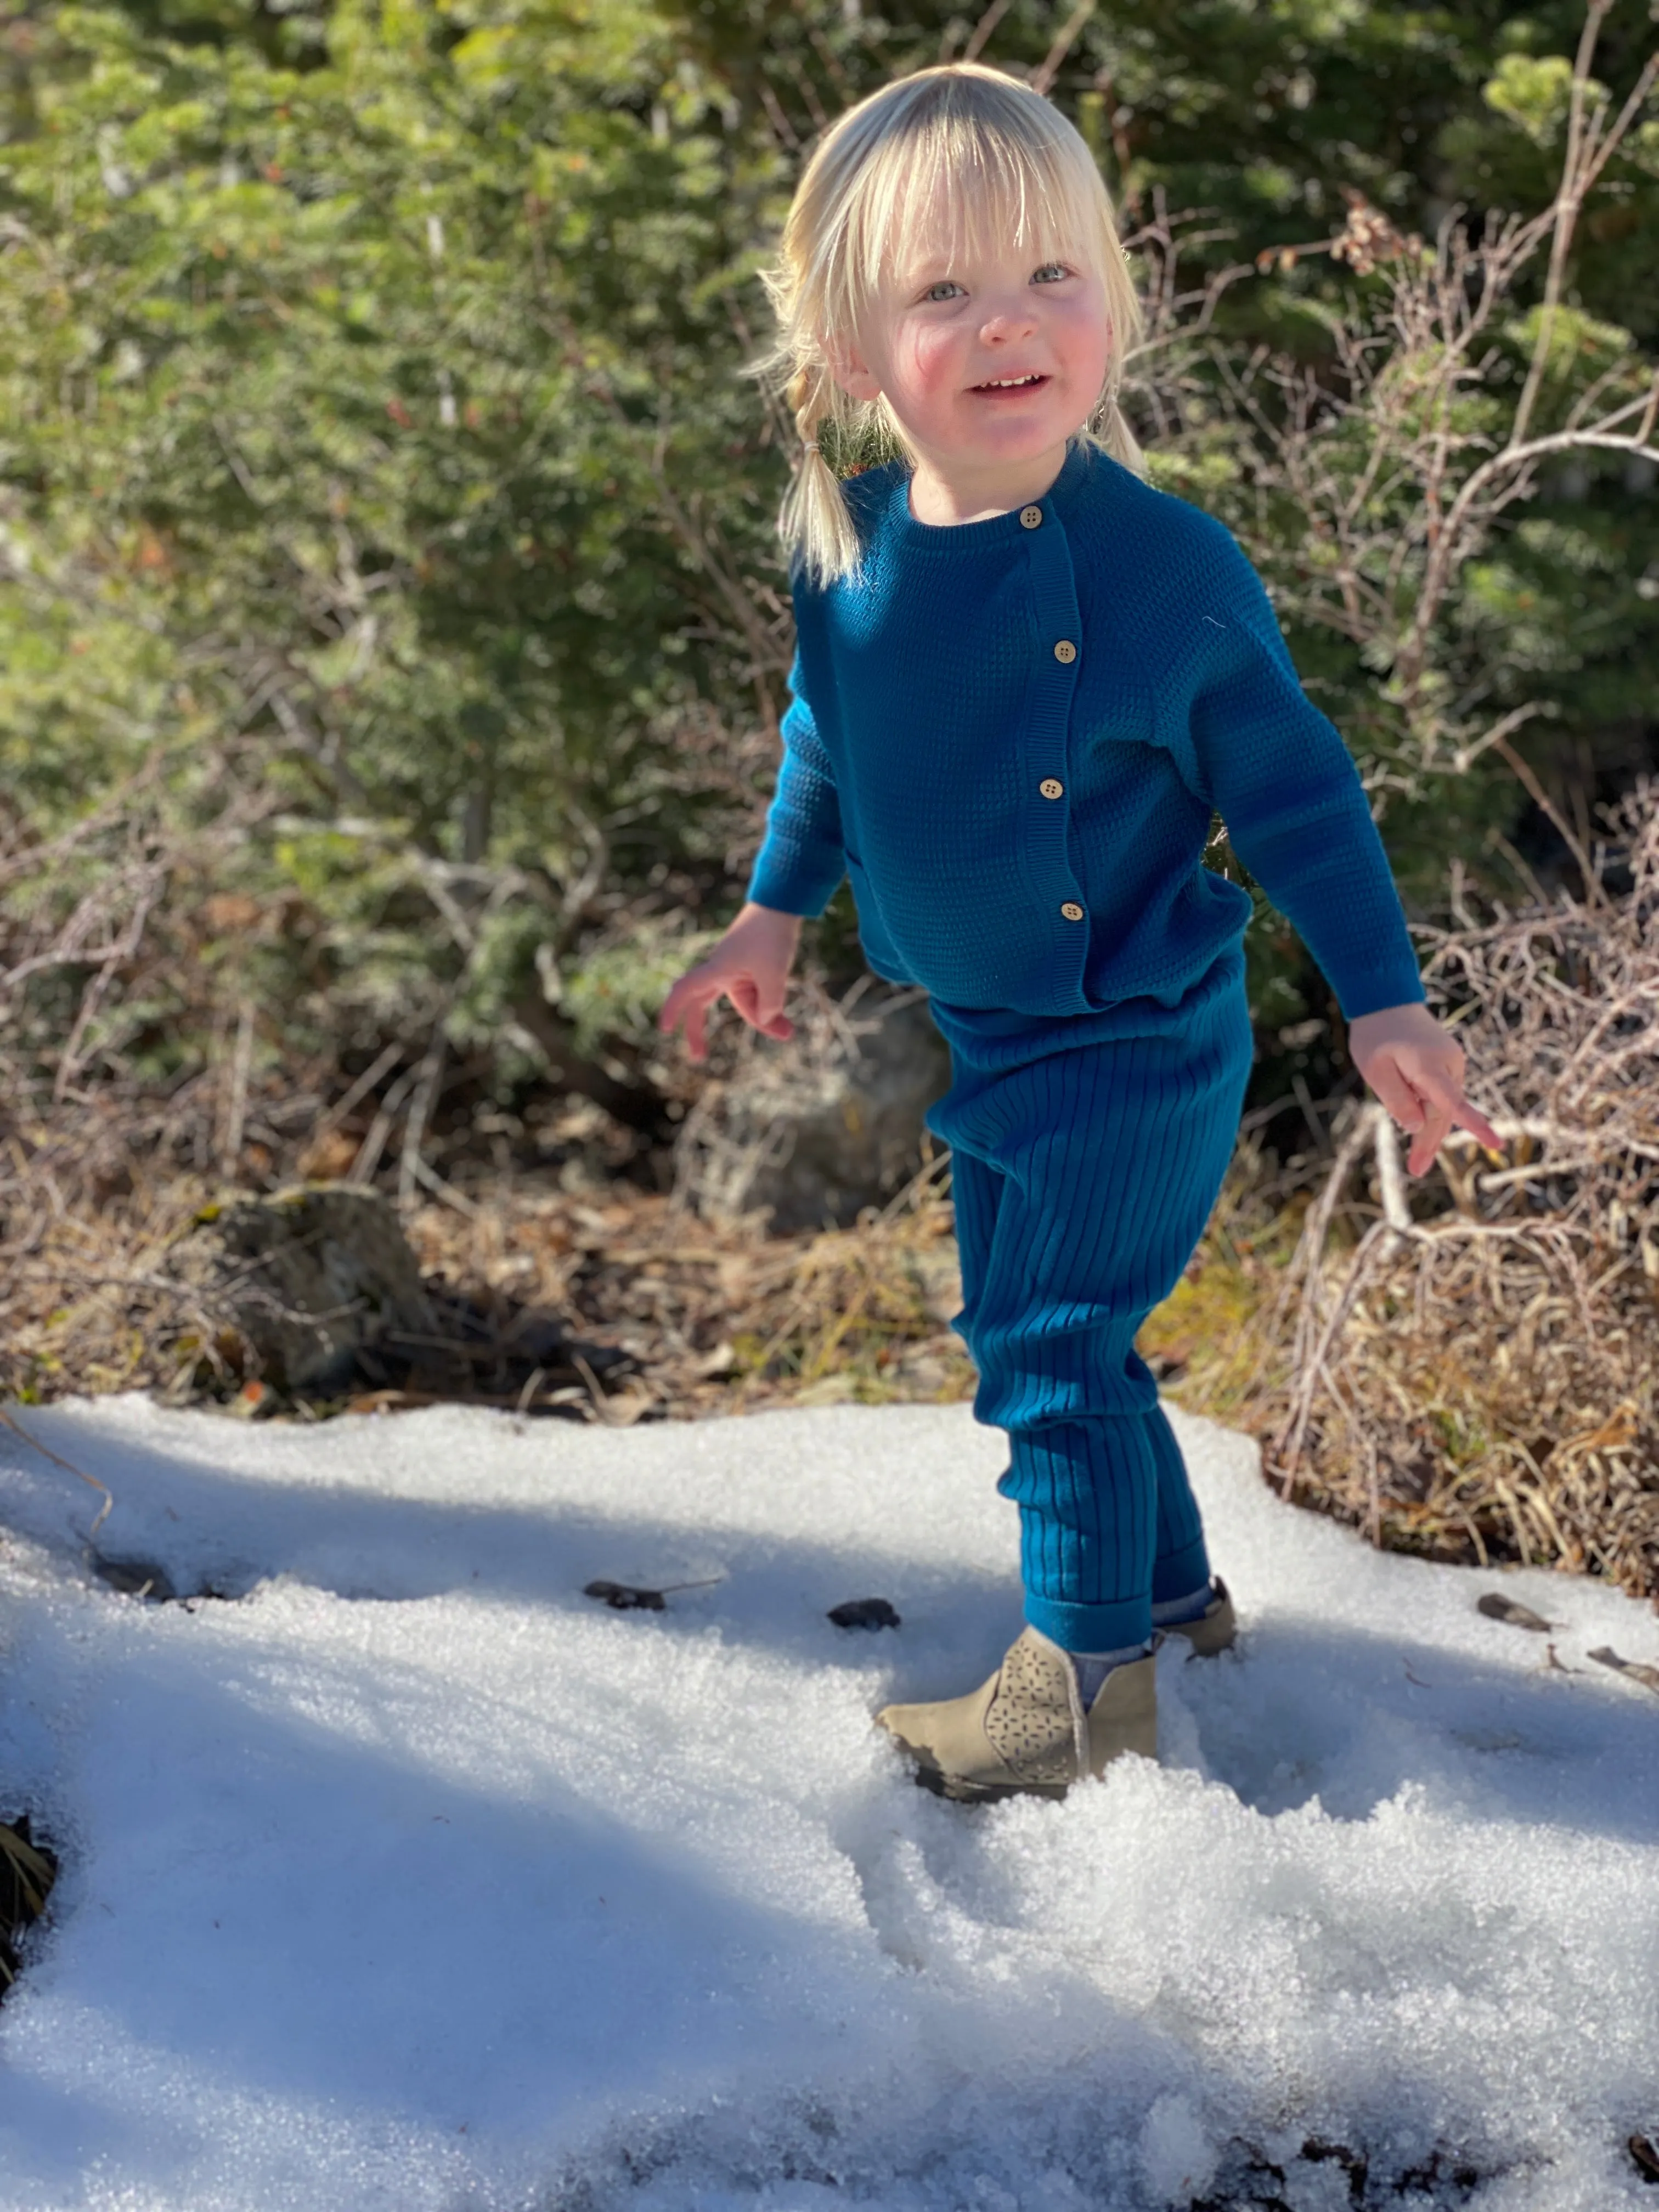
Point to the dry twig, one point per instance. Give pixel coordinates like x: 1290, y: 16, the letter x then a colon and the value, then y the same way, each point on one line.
x: 1480, y: 1375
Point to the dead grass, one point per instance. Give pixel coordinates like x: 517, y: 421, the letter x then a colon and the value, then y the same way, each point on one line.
x: 27, y: 1875
x: 721, y: 1317
x: 1470, y: 1370
x: 1208, y: 1343
x: 659, y: 1315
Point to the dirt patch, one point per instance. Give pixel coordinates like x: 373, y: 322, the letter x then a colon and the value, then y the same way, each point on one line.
x: 616, y: 1309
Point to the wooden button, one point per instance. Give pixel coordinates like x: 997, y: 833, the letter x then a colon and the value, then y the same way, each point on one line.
x: 1071, y: 910
x: 1031, y: 517
x: 1051, y: 787
x: 1065, y: 652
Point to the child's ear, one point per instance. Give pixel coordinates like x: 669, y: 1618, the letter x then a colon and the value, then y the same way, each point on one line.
x: 849, y: 368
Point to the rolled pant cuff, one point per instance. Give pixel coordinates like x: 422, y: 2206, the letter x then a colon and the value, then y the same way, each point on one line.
x: 1092, y: 1627
x: 1180, y: 1573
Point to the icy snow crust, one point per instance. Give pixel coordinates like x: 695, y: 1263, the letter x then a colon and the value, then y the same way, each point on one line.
x: 415, y: 1879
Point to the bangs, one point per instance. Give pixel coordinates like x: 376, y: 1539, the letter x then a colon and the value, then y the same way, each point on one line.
x: 957, y: 185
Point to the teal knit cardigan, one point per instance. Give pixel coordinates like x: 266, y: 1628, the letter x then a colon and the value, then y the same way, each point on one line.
x: 1014, y: 736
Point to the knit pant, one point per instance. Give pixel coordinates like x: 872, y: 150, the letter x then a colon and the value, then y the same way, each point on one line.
x: 1085, y: 1158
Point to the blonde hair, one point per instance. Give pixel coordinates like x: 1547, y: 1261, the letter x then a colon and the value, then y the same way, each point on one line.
x: 1006, y: 164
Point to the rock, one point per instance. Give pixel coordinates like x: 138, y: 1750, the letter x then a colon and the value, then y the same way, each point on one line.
x: 865, y: 1613
x: 815, y: 1132
x: 309, y: 1277
x: 625, y: 1597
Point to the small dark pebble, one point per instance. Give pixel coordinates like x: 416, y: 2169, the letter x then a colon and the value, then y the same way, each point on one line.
x: 622, y: 1597
x: 137, y: 1578
x: 1433, y: 2173
x: 1646, y: 2158
x: 1497, y: 1608
x: 865, y: 1613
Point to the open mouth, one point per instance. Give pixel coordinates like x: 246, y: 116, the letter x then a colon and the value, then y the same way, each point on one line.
x: 1028, y: 383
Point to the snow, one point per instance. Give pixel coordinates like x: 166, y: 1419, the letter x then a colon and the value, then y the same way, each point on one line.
x: 401, y: 1875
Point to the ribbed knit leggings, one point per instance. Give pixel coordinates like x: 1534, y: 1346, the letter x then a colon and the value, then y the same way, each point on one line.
x: 1087, y: 1155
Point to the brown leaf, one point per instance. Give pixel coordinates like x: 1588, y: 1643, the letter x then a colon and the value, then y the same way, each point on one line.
x: 1620, y: 1428
x: 1497, y: 1606
x: 1633, y: 1670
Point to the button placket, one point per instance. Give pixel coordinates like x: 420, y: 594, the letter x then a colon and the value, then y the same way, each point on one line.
x: 1046, y: 741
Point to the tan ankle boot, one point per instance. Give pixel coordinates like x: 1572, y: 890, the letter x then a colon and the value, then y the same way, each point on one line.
x: 1214, y: 1629
x: 1025, y: 1732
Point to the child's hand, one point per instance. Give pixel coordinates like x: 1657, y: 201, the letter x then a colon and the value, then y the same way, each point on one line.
x: 749, y: 966
x: 1416, y: 1069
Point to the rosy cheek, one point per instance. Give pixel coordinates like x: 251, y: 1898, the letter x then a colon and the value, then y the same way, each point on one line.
x: 925, y: 358
x: 1090, y: 337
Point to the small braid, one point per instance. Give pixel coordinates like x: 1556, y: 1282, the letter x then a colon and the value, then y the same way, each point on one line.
x: 814, y: 512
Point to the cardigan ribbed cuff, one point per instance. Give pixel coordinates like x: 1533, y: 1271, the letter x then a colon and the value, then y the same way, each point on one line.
x: 795, y: 883
x: 1389, y: 987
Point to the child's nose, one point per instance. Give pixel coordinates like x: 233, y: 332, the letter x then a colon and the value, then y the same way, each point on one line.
x: 1008, y: 318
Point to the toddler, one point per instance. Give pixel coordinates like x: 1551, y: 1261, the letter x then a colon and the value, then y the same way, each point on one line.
x: 1025, y: 684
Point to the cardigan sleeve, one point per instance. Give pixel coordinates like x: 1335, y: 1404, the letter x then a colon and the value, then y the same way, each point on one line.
x: 1297, y: 814
x: 802, y: 861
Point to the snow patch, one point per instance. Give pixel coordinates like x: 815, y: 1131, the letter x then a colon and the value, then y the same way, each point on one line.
x: 414, y: 1879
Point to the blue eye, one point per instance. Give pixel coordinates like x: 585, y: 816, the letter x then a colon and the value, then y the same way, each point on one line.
x: 943, y: 289
x: 1052, y: 272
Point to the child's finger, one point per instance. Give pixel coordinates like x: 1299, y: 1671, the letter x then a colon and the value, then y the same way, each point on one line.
x: 761, y: 1009
x: 672, y: 1010
x: 1448, y: 1110
x: 1436, y: 1127
x: 1442, y: 1091
x: 768, y: 987
x: 1467, y: 1117
x: 1397, y: 1095
x: 694, y: 988
x: 690, y: 997
x: 687, y: 1001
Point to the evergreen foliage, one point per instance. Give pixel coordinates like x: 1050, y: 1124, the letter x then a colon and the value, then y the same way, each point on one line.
x: 394, y: 636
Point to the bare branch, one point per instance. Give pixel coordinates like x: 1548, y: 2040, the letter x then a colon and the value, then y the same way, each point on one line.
x: 1048, y: 69
x: 981, y: 35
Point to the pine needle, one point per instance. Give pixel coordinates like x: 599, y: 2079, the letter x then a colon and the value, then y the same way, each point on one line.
x: 69, y: 1467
